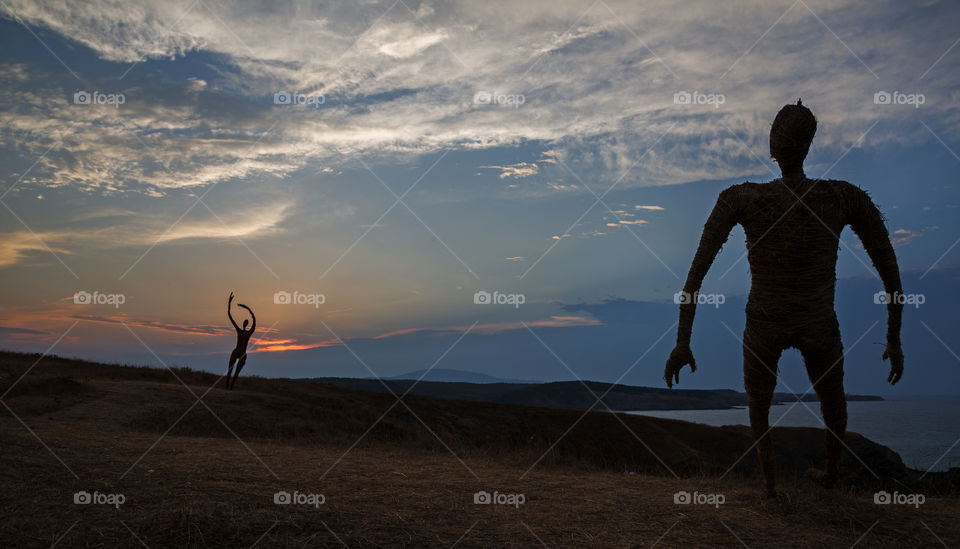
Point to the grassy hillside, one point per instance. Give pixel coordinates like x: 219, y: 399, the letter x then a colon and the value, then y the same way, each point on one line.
x: 204, y: 473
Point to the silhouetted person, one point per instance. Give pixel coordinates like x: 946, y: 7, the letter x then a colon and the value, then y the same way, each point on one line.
x: 243, y: 338
x: 793, y: 226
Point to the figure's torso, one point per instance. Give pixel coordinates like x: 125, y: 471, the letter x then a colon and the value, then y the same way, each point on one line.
x: 243, y: 338
x: 792, y: 231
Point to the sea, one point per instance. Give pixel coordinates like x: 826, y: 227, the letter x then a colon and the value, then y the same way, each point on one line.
x: 925, y: 431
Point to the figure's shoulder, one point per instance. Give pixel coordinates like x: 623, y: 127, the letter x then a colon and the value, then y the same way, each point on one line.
x: 742, y: 191
x: 739, y: 188
x: 838, y: 184
x: 845, y: 190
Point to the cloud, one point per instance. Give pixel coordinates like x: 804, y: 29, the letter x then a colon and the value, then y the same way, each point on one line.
x: 516, y: 171
x: 8, y: 331
x: 516, y: 258
x: 192, y: 329
x: 902, y: 237
x: 401, y: 87
x: 411, y: 46
x: 556, y: 321
x: 15, y: 246
x: 257, y: 222
x: 549, y: 157
x: 280, y: 345
x: 121, y: 228
x: 652, y: 208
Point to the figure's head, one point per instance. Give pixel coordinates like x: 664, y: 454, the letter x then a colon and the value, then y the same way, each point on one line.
x: 245, y: 322
x: 791, y: 135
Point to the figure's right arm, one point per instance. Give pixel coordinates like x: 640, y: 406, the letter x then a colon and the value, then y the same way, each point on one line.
x: 715, y: 232
x: 230, y: 316
x: 722, y: 219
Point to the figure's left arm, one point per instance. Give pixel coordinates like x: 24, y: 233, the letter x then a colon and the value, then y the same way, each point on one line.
x: 867, y: 222
x: 253, y: 324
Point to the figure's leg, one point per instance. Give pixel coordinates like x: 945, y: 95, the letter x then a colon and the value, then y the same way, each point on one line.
x: 243, y: 360
x: 233, y: 358
x: 761, y: 352
x: 823, y: 355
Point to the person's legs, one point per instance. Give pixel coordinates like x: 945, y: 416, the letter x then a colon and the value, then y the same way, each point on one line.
x: 761, y: 352
x: 243, y: 360
x: 823, y: 354
x: 233, y: 358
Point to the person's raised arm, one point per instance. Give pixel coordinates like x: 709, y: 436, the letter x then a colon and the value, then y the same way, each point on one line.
x: 230, y: 316
x: 867, y: 222
x: 715, y: 233
x: 253, y: 324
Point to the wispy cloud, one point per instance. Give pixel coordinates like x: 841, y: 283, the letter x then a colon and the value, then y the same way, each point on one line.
x: 556, y: 321
x: 398, y: 86
x: 902, y: 237
x: 191, y: 329
x: 253, y: 222
x: 16, y: 246
x: 281, y: 345
x: 138, y: 230
x: 516, y: 171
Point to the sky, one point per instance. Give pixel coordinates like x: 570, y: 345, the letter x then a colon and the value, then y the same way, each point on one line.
x: 383, y: 162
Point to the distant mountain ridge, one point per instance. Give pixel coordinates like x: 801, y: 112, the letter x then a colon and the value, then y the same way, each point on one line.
x: 570, y: 394
x: 448, y: 375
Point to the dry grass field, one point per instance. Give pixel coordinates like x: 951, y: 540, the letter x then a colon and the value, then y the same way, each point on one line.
x: 197, y: 466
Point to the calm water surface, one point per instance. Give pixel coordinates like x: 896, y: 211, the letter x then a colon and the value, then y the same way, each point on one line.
x: 924, y: 431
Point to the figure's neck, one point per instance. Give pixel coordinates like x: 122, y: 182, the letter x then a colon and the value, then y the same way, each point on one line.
x: 793, y: 174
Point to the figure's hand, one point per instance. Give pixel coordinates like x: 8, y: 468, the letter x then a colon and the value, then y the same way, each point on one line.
x: 895, y: 353
x: 231, y: 298
x: 679, y: 357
